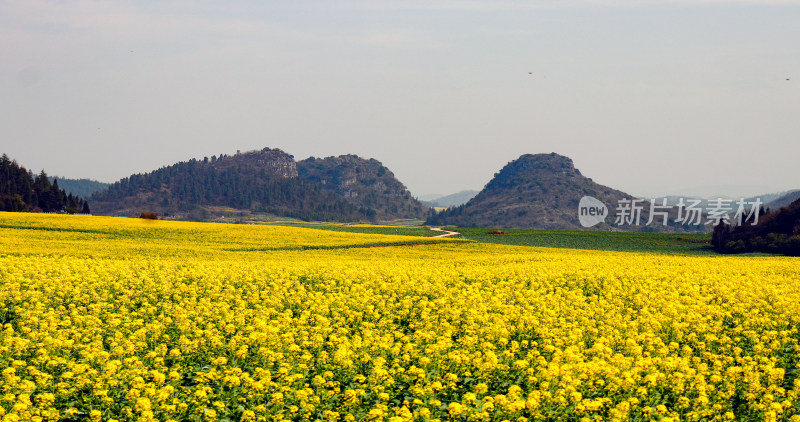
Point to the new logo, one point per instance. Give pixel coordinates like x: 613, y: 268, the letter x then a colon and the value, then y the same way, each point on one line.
x: 591, y: 211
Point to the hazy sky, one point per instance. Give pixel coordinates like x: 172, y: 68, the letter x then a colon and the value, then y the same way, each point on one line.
x: 650, y: 97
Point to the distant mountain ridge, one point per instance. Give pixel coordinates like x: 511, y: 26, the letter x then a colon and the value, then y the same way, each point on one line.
x: 543, y: 191
x: 265, y: 181
x: 452, y: 200
x: 784, y: 200
x: 533, y: 191
x: 79, y: 187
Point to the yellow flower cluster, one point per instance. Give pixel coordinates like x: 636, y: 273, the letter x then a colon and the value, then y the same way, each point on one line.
x: 88, y: 236
x: 107, y: 319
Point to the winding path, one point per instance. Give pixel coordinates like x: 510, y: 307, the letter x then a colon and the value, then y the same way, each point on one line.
x: 445, y: 233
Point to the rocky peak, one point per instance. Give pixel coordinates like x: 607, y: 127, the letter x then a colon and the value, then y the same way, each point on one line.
x: 364, y: 182
x: 536, y: 169
x: 547, y: 163
x: 275, y: 161
x: 535, y: 190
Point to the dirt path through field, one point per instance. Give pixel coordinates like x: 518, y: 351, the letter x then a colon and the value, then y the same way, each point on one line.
x: 445, y: 233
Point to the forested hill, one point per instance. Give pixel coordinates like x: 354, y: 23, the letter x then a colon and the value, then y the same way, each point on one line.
x: 777, y: 231
x: 365, y: 183
x: 534, y: 191
x: 259, y: 181
x: 79, y: 187
x: 20, y: 190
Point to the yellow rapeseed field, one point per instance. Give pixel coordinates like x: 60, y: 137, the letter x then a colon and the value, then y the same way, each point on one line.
x: 109, y: 319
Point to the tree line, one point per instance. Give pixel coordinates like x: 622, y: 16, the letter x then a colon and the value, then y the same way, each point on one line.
x: 777, y: 231
x: 21, y: 191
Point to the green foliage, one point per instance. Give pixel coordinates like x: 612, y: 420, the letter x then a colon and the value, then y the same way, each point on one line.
x: 777, y: 232
x: 672, y: 243
x: 20, y: 190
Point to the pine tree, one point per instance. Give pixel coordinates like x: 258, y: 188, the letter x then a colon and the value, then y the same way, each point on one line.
x: 20, y: 190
